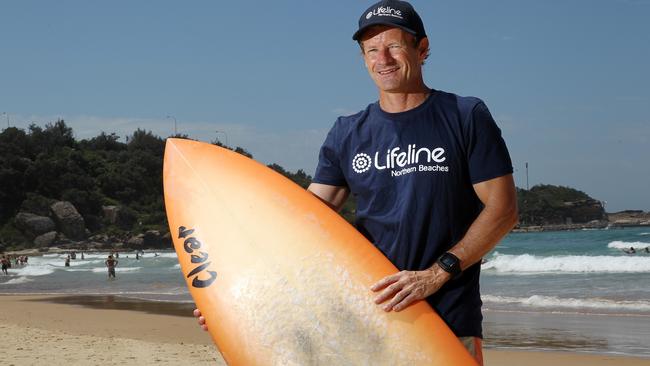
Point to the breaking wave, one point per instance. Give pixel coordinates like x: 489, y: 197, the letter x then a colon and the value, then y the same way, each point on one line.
x: 526, y: 263
x: 539, y: 301
x: 628, y: 244
x: 16, y: 281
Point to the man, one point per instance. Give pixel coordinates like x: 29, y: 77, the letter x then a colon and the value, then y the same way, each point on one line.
x: 4, y: 261
x: 431, y: 173
x: 111, y: 264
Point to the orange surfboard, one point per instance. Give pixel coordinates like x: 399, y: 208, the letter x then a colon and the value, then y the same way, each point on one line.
x: 280, y: 277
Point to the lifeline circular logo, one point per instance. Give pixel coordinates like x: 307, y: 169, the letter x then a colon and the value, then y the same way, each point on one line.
x: 361, y: 163
x: 369, y: 15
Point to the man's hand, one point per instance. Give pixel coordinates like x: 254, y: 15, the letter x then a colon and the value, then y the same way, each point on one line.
x: 201, y: 319
x: 407, y: 287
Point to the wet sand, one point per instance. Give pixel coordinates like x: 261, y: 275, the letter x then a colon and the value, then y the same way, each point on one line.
x: 94, y: 330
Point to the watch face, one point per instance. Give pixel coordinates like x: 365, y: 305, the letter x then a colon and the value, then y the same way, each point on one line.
x: 450, y: 263
x: 448, y: 260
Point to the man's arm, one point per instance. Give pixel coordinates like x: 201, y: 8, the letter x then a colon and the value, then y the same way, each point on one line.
x: 496, y: 219
x: 333, y: 196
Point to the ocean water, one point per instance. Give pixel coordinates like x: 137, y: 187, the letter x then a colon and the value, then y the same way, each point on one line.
x: 573, y: 290
x: 155, y: 276
x: 584, y: 272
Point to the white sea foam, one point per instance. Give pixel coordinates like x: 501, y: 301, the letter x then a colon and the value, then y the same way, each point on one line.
x: 163, y: 255
x: 642, y: 234
x: 628, y: 244
x: 16, y: 281
x: 526, y: 263
x: 539, y: 301
x: 117, y: 269
x: 34, y: 270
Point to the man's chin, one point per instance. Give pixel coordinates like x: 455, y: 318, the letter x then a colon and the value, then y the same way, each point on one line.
x: 388, y: 87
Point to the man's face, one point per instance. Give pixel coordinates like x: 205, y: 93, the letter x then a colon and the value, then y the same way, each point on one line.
x: 392, y: 59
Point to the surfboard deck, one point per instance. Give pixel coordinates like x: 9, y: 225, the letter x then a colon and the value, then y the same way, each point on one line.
x: 280, y: 277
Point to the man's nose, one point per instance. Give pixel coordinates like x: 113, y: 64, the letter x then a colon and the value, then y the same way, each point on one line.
x: 384, y: 56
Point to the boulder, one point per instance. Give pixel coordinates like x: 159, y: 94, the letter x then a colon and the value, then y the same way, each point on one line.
x: 136, y: 241
x: 152, y: 239
x: 45, y: 240
x: 33, y: 225
x: 100, y: 238
x: 68, y: 220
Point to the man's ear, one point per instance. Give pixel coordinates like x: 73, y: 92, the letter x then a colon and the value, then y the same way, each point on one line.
x: 423, y: 48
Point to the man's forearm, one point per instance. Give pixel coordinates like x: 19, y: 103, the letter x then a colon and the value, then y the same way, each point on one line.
x: 498, y: 217
x: 492, y: 224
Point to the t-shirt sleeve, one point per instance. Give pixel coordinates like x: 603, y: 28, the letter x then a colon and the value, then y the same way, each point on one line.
x: 329, y: 170
x: 487, y: 153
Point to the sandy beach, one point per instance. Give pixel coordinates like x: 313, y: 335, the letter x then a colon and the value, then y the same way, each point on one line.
x: 100, y: 330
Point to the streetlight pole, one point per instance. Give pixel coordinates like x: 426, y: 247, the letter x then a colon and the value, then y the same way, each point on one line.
x: 175, y: 132
x: 527, y: 177
x: 7, y: 114
x: 225, y: 134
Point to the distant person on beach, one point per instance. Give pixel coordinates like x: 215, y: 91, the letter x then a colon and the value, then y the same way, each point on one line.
x: 67, y: 261
x: 82, y: 255
x: 430, y: 171
x: 647, y: 249
x: 5, y: 264
x: 111, y: 264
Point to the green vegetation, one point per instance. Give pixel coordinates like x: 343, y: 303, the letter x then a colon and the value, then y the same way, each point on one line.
x: 44, y: 165
x: 553, y: 205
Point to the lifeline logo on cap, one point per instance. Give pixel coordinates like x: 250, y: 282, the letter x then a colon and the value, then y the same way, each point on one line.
x: 391, y: 13
x: 385, y: 11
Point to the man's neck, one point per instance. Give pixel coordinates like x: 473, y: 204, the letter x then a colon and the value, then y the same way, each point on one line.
x: 402, y: 102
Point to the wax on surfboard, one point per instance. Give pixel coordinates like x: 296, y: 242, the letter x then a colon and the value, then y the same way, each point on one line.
x: 280, y: 277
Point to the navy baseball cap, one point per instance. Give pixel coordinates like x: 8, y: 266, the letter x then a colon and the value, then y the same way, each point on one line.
x: 391, y: 13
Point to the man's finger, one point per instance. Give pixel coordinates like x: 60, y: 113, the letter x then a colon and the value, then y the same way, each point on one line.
x: 397, y: 299
x: 385, y: 282
x: 196, y: 313
x: 408, y: 300
x: 388, y: 292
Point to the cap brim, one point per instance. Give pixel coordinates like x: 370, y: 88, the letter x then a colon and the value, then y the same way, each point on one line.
x: 357, y: 35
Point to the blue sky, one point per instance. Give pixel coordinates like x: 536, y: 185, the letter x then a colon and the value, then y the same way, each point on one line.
x: 567, y: 81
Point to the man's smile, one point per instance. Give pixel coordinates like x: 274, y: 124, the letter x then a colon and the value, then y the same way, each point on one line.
x: 388, y: 71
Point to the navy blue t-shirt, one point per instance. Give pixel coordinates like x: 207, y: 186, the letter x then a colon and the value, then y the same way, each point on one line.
x: 412, y: 173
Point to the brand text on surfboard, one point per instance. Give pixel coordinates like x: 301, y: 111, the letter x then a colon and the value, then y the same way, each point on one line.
x: 192, y: 246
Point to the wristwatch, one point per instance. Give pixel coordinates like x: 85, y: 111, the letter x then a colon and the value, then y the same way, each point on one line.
x: 450, y: 264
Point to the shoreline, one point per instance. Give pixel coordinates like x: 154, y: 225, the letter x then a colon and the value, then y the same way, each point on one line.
x: 576, y: 227
x: 151, y: 332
